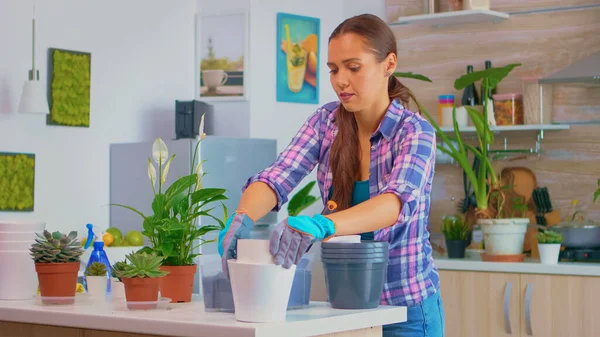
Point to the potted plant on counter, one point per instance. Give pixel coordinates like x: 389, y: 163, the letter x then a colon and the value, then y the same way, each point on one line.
x: 173, y: 229
x: 549, y: 246
x: 56, y: 258
x: 142, y: 277
x: 456, y: 233
x: 503, y: 233
x: 96, y: 279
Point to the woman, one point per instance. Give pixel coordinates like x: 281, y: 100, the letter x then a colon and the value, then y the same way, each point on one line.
x: 376, y: 162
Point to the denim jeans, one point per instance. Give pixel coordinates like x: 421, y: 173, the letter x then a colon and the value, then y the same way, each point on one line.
x: 425, y: 319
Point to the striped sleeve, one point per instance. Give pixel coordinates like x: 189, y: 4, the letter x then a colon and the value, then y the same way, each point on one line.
x: 296, y: 161
x: 412, y: 167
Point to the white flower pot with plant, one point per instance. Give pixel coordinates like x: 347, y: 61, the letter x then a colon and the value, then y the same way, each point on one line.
x: 96, y: 280
x: 503, y: 233
x: 173, y: 229
x: 456, y: 233
x: 549, y: 243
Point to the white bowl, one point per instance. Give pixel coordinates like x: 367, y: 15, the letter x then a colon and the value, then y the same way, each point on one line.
x: 345, y: 238
x: 22, y: 226
x: 260, y: 291
x: 18, y: 279
x: 16, y: 245
x: 254, y: 251
x: 18, y: 236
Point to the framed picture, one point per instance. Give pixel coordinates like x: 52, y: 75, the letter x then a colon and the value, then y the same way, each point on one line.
x: 69, y: 82
x: 222, y: 56
x: 17, y: 182
x: 297, y: 48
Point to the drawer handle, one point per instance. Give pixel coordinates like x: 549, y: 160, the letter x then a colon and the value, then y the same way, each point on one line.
x: 507, y: 289
x: 528, y: 310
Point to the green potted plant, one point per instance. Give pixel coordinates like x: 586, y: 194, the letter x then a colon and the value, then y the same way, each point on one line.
x: 117, y: 287
x: 549, y: 246
x: 142, y: 277
x: 456, y: 233
x: 173, y: 229
x: 503, y: 234
x: 56, y: 258
x: 96, y: 279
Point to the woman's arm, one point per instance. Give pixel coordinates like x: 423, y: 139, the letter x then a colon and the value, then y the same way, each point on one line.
x: 397, y: 202
x: 257, y: 200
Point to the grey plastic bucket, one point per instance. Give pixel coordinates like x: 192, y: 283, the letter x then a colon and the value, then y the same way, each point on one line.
x: 354, y: 251
x: 353, y: 284
x: 355, y: 245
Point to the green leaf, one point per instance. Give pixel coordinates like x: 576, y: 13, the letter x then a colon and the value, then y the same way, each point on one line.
x: 298, y: 202
x: 181, y: 185
x: 413, y: 76
x: 480, y: 124
x: 206, y: 194
x: 494, y: 75
x: 179, y: 203
x: 158, y: 205
x: 131, y: 209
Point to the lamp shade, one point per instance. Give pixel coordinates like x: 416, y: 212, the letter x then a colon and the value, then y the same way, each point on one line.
x: 33, y: 98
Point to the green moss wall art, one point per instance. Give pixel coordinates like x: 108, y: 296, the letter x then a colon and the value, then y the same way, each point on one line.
x: 17, y: 182
x: 69, y: 79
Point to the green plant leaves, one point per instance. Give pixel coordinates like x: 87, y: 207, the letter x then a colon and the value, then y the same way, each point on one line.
x: 302, y: 200
x: 494, y: 75
x: 413, y: 76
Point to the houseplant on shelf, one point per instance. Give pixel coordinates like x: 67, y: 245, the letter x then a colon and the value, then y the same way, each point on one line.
x: 117, y: 286
x: 142, y: 277
x: 56, y: 258
x: 96, y: 279
x: 549, y: 246
x: 172, y: 228
x: 456, y: 233
x: 503, y: 234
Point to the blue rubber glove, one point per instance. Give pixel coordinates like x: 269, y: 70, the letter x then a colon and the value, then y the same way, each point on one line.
x: 291, y: 238
x: 237, y: 226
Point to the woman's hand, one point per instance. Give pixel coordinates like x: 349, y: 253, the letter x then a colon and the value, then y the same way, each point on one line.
x: 237, y: 226
x: 291, y: 238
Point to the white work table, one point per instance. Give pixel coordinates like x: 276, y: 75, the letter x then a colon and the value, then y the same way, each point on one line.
x: 97, y: 318
x: 529, y: 266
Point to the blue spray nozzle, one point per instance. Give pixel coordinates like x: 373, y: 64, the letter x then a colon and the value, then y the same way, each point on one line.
x: 90, y: 237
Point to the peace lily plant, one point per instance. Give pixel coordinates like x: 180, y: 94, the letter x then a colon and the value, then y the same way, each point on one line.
x: 490, y: 192
x: 172, y: 229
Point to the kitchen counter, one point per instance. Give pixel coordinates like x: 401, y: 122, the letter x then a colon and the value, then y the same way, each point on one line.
x: 529, y: 266
x: 95, y: 318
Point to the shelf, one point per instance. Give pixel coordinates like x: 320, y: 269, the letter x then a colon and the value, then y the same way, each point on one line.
x: 508, y: 128
x: 449, y: 18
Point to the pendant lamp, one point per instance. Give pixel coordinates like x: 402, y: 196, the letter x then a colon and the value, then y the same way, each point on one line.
x: 33, y: 96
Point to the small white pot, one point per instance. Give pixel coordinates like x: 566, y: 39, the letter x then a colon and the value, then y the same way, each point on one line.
x: 503, y: 236
x: 117, y: 288
x: 96, y: 286
x: 549, y: 252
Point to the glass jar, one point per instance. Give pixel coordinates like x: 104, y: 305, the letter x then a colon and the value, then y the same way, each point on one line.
x: 445, y: 101
x: 508, y: 109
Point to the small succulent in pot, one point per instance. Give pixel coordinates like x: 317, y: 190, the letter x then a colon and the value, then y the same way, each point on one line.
x: 56, y: 256
x: 456, y: 233
x: 550, y: 237
x: 549, y: 243
x: 96, y: 269
x: 117, y: 268
x: 141, y: 277
x: 96, y: 279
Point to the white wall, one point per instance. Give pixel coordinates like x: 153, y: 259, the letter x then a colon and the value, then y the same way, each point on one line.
x: 142, y: 61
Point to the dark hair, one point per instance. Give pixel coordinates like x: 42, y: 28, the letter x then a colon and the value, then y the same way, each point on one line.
x: 345, y: 150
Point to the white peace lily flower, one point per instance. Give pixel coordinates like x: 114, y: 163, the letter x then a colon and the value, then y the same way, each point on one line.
x: 201, y: 128
x: 151, y: 172
x: 160, y: 152
x: 165, y: 171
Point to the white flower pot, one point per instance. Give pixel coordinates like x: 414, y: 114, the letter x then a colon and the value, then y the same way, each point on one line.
x: 18, y: 279
x: 503, y: 236
x: 549, y: 252
x: 96, y: 286
x: 117, y: 288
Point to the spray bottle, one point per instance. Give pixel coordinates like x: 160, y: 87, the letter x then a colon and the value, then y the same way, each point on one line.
x: 97, y: 255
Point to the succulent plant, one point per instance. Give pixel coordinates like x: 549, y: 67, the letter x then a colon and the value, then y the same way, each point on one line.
x: 96, y: 269
x: 142, y: 265
x: 118, y: 267
x: 56, y: 248
x: 549, y: 237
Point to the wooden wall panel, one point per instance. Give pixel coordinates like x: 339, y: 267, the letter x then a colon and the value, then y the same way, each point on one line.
x: 543, y: 43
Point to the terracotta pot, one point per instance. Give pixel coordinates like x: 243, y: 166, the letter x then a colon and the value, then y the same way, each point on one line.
x: 179, y: 283
x: 141, y: 289
x: 58, y: 280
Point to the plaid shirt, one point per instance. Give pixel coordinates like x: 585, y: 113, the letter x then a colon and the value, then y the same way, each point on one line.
x: 402, y: 162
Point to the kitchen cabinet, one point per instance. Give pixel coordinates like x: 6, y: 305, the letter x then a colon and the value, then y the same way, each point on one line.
x: 517, y: 304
